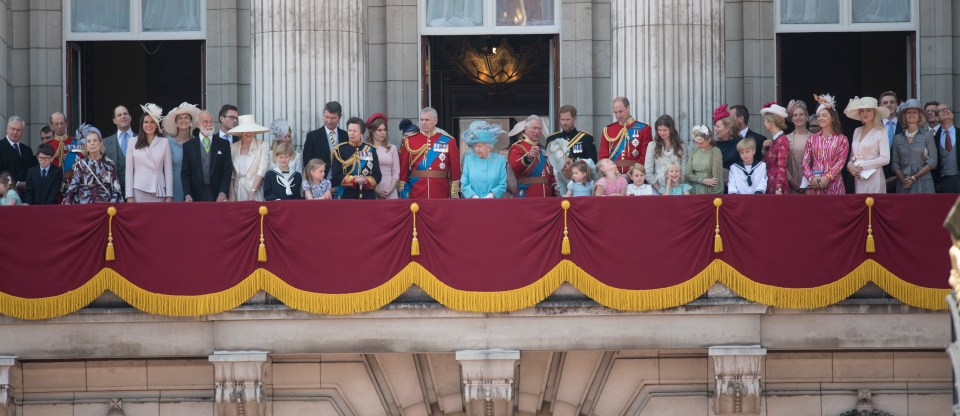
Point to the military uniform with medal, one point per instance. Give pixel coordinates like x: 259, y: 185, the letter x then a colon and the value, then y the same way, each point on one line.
x: 429, y: 166
x: 351, y: 162
x: 626, y: 143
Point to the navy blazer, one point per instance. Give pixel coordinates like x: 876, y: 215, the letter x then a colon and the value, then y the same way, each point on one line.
x: 43, y: 191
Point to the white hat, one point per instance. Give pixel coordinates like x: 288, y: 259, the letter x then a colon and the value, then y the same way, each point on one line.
x: 856, y: 104
x: 776, y: 109
x: 154, y: 111
x: 247, y: 124
x: 170, y: 121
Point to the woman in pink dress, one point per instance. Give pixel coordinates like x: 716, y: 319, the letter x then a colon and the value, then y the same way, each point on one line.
x: 774, y: 119
x: 388, y: 155
x: 869, y: 151
x: 825, y: 152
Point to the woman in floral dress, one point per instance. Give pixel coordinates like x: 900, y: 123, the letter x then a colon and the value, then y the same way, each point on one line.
x: 94, y: 176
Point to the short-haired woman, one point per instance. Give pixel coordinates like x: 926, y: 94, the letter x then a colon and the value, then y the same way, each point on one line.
x: 94, y: 176
x: 914, y: 152
x: 356, y: 167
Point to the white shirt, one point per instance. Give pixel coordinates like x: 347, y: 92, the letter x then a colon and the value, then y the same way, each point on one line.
x: 227, y: 137
x: 738, y: 184
x: 743, y: 133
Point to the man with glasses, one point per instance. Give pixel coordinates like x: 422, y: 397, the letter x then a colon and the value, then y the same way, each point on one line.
x: 16, y: 157
x: 946, y: 176
x: 229, y: 114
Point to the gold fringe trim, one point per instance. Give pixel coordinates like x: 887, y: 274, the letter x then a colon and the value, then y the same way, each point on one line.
x: 471, y: 301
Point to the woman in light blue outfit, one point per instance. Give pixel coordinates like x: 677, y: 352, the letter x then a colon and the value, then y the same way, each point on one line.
x: 484, y: 173
x: 178, y: 125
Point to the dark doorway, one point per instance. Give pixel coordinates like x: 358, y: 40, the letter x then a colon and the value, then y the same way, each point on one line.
x: 846, y: 65
x: 103, y: 75
x: 491, y: 77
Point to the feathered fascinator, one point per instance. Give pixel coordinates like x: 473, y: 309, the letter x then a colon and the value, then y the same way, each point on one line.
x: 154, y: 111
x: 826, y: 101
x: 84, y: 130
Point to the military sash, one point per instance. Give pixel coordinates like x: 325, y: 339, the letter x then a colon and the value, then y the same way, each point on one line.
x: 425, y: 162
x: 536, y: 172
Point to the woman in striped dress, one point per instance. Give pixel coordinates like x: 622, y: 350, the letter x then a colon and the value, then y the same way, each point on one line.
x: 825, y: 153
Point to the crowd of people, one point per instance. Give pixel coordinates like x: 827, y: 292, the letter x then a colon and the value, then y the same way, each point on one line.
x: 183, y: 157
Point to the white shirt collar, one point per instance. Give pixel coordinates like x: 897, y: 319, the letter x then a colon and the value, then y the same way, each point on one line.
x: 890, y: 121
x: 224, y: 134
x: 743, y: 133
x: 329, y: 132
x: 12, y: 143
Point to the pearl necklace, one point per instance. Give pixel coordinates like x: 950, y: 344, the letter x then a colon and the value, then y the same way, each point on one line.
x: 912, y: 135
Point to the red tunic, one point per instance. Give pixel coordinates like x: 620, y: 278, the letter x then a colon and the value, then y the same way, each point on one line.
x: 636, y: 143
x: 546, y: 180
x: 59, y: 150
x: 412, y: 152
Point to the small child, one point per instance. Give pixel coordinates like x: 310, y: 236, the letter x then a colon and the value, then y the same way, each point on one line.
x: 581, y: 184
x: 675, y: 185
x: 42, y: 190
x: 611, y: 183
x: 7, y: 192
x: 747, y: 176
x: 314, y: 185
x: 638, y: 174
x: 282, y: 182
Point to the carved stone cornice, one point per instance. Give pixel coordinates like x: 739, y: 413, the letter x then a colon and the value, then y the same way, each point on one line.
x: 737, y: 372
x: 8, y: 403
x: 238, y: 382
x: 488, y: 376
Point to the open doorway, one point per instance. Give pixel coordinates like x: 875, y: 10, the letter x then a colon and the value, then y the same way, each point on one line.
x: 500, y: 79
x: 104, y: 74
x: 846, y: 65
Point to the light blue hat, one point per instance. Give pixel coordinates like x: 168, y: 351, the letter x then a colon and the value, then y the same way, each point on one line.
x: 482, y: 132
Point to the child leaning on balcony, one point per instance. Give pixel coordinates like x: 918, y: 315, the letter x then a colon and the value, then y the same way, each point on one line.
x: 639, y: 187
x: 610, y: 182
x: 581, y: 184
x: 674, y: 182
x: 747, y: 176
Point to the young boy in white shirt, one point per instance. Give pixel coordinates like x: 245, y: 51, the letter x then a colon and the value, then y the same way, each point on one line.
x: 747, y: 176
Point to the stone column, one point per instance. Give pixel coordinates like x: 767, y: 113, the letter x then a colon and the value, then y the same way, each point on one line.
x: 668, y: 58
x: 737, y: 372
x: 238, y: 378
x: 306, y: 53
x: 8, y: 406
x: 488, y: 377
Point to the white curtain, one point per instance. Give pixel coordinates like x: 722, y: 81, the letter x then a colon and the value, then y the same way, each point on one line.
x: 809, y: 11
x: 881, y: 11
x: 171, y: 15
x: 100, y: 16
x: 454, y: 13
x: 524, y: 12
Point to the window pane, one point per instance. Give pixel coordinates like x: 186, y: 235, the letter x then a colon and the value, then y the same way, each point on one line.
x: 88, y: 16
x: 809, y: 11
x: 881, y: 11
x: 454, y: 13
x: 524, y: 12
x: 171, y: 15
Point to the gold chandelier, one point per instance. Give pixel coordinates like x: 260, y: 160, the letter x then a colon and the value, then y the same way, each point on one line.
x: 496, y: 66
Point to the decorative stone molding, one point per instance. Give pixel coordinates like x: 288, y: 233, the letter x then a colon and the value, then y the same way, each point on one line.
x: 238, y: 378
x: 737, y: 371
x: 488, y: 376
x: 8, y: 404
x: 865, y: 406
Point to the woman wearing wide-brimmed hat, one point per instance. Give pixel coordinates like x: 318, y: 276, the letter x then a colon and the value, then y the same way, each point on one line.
x: 484, y: 172
x: 149, y: 170
x: 251, y: 158
x: 914, y: 151
x: 869, y: 150
x: 777, y: 156
x: 178, y: 125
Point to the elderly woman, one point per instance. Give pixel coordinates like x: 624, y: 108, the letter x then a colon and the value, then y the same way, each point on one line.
x: 94, y: 176
x: 355, y: 170
x: 388, y: 155
x: 914, y: 152
x: 281, y: 132
x: 776, y: 157
x: 251, y: 158
x: 705, y: 167
x: 484, y: 173
x: 149, y: 171
x: 870, y: 148
x: 664, y: 150
x: 178, y: 125
x: 797, y: 110
x: 826, y: 152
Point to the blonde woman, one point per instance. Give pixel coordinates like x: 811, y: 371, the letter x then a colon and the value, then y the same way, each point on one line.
x: 251, y: 159
x: 869, y: 151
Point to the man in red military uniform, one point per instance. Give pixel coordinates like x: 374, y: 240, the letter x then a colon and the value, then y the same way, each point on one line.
x: 61, y: 141
x: 625, y: 142
x: 528, y: 160
x: 429, y: 162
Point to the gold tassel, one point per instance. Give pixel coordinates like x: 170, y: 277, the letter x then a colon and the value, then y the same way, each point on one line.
x: 871, y: 247
x: 565, y: 246
x: 110, y: 255
x: 717, y: 241
x: 262, y: 252
x: 415, y: 244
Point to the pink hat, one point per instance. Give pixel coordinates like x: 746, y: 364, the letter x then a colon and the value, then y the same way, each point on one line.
x: 720, y: 113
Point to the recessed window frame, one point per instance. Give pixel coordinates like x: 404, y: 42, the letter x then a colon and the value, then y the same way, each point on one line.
x: 136, y: 27
x: 846, y: 23
x: 489, y: 23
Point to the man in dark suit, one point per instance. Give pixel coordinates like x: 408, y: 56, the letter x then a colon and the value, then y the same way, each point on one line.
x: 321, y: 141
x: 16, y: 157
x: 44, y: 180
x: 888, y: 100
x: 742, y: 115
x: 115, y: 145
x: 207, y: 165
x: 946, y: 176
x: 229, y: 116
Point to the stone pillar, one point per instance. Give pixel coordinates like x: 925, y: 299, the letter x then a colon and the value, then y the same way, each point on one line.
x: 238, y: 378
x: 8, y: 406
x: 488, y: 377
x: 668, y: 58
x: 737, y: 372
x: 306, y: 53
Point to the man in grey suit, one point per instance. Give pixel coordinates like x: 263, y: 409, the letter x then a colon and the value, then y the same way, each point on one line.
x: 115, y: 146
